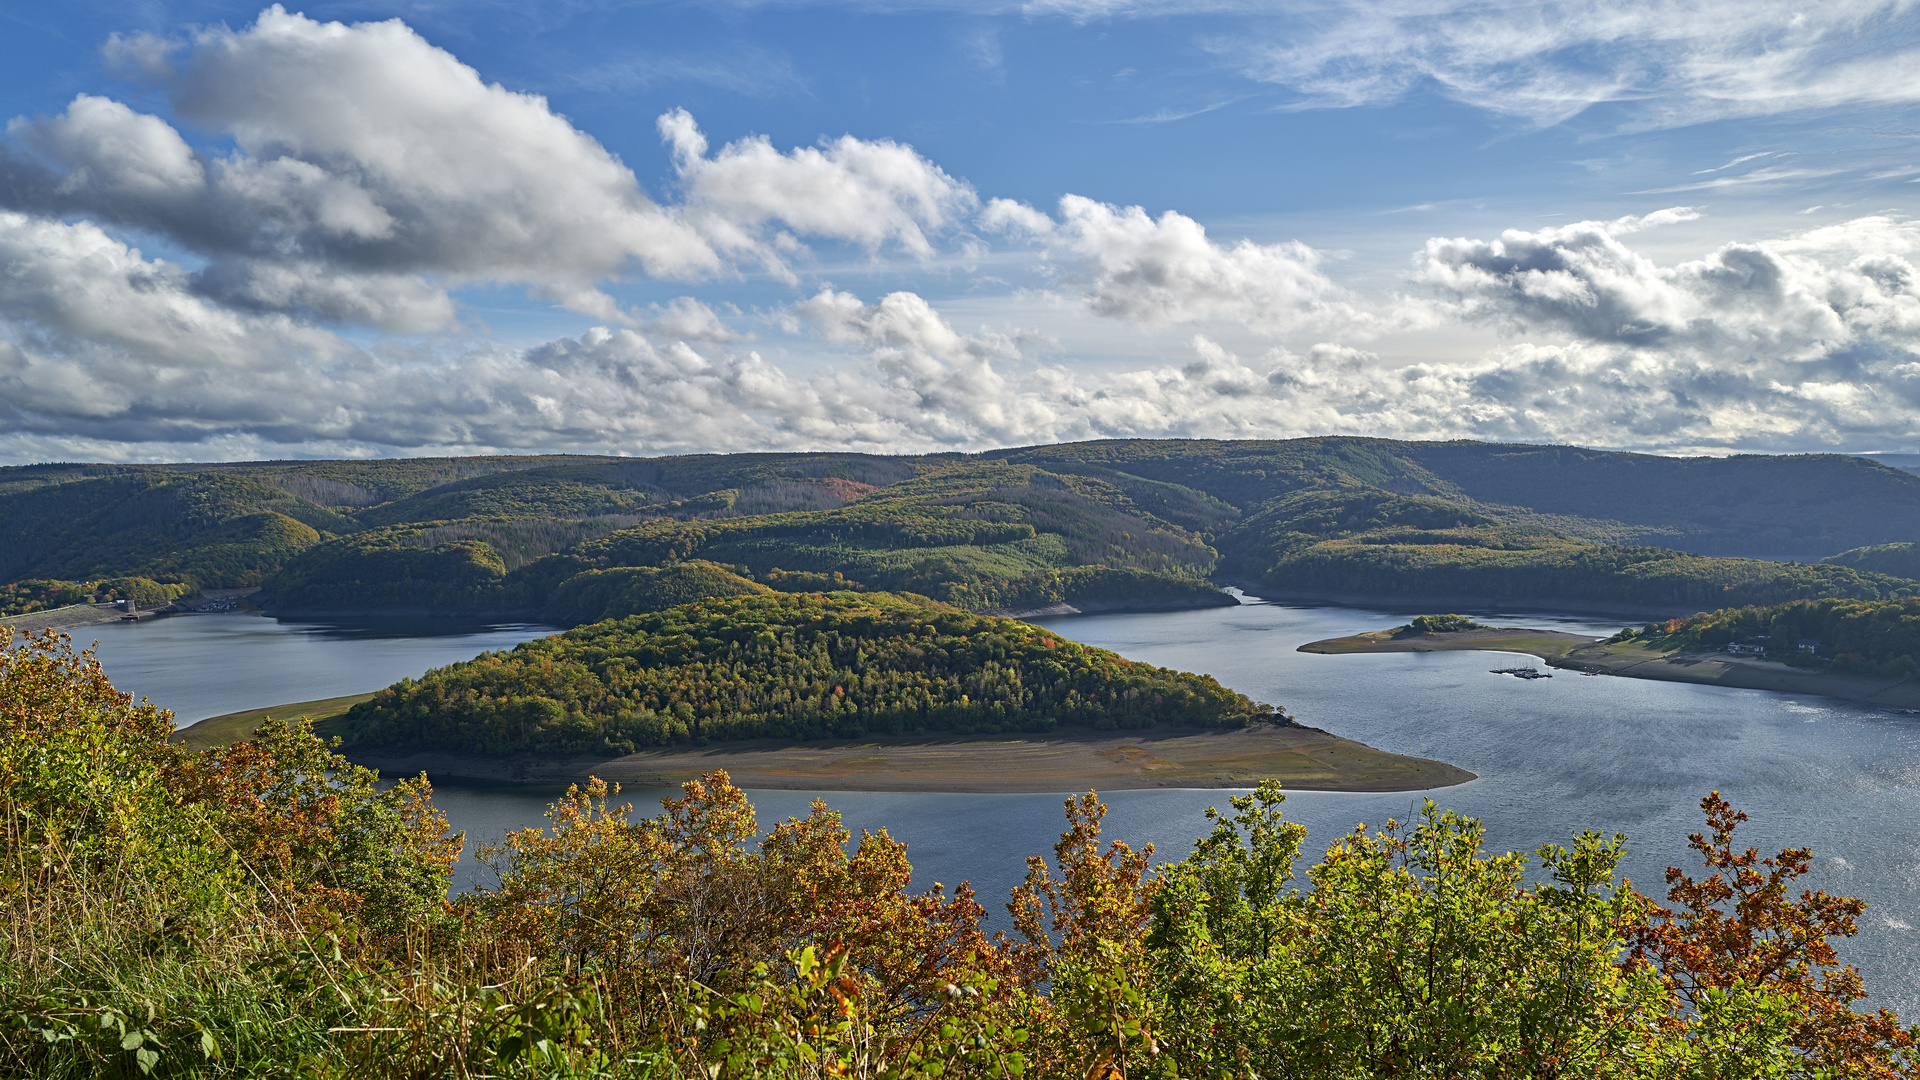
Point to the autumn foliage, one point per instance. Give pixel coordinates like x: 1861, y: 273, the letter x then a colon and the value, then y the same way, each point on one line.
x: 267, y: 909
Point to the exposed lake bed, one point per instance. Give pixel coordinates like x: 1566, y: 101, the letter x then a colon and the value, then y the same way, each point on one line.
x: 1636, y: 660
x: 1301, y: 758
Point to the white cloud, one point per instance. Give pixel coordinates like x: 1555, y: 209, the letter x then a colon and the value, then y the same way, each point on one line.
x: 874, y: 194
x: 110, y: 351
x: 1165, y: 270
x: 1813, y: 339
x: 382, y: 125
x: 371, y: 175
x: 114, y: 152
x: 1675, y: 61
x: 1798, y: 299
x: 688, y: 319
x: 373, y: 172
x: 939, y: 384
x: 1015, y: 219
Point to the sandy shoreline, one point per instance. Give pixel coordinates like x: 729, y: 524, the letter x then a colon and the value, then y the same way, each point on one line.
x: 237, y: 726
x: 1634, y: 660
x: 1548, y: 645
x: 1302, y: 759
x: 1415, y: 603
x: 1748, y: 673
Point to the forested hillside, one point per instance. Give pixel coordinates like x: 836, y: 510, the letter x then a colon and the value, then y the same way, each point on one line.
x: 1857, y: 636
x: 1900, y: 560
x: 784, y: 666
x: 1803, y: 506
x: 1147, y: 523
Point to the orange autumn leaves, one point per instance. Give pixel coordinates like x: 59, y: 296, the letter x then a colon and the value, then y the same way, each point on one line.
x: 269, y: 907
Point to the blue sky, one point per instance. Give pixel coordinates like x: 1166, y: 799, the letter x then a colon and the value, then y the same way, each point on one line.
x: 375, y: 229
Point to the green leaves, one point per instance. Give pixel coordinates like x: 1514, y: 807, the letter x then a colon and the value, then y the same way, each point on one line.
x: 267, y: 909
x: 786, y: 665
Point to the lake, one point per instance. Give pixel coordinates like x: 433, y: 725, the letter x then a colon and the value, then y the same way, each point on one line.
x: 1553, y: 756
x: 209, y: 665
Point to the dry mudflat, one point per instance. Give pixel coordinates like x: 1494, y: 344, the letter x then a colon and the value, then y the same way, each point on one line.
x: 1301, y: 758
x: 1548, y: 645
x: 1636, y: 660
x: 1304, y: 759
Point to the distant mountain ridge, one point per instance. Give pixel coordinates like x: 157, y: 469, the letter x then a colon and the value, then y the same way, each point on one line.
x: 1021, y: 528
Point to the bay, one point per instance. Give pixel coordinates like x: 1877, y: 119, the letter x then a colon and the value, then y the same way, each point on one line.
x: 209, y: 665
x: 1553, y: 756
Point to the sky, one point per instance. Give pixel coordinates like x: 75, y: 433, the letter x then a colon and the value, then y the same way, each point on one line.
x: 376, y: 229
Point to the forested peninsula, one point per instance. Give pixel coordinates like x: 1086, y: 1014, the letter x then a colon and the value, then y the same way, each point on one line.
x: 786, y: 667
x: 1140, y: 524
x: 862, y: 691
x: 1859, y: 650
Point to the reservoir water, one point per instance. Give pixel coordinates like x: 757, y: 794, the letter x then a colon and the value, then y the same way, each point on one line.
x: 1553, y: 756
x: 210, y: 665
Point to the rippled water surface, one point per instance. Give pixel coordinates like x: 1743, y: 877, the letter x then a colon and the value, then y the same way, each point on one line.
x: 1553, y: 756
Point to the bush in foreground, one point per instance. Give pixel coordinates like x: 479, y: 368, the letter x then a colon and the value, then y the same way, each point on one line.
x: 266, y: 910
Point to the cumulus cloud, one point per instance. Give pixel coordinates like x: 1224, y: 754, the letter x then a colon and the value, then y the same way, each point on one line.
x: 1811, y: 337
x: 1166, y: 270
x: 372, y: 172
x: 1676, y: 61
x: 108, y: 348
x: 114, y: 154
x: 364, y: 156
x: 939, y: 382
x: 1793, y: 300
x: 687, y: 319
x: 750, y: 197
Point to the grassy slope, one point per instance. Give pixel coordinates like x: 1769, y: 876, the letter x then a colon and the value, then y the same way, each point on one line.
x: 240, y: 726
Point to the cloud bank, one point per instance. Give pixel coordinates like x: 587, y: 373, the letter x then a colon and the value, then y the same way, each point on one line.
x: 309, y: 295
x: 372, y: 172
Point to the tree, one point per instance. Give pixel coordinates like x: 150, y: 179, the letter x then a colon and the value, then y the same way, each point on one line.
x: 1738, y: 932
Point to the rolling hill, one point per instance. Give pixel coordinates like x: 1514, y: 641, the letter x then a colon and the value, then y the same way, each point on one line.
x: 1145, y: 522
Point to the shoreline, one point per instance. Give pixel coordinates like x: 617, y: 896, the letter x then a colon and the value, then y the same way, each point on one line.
x: 238, y: 726
x: 1302, y: 759
x: 1118, y: 606
x: 1633, y: 660
x: 552, y: 618
x: 1465, y: 603
x: 70, y: 618
x: 74, y: 616
x: 1548, y: 645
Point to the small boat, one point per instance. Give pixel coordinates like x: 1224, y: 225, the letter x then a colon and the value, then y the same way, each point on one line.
x: 1521, y: 672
